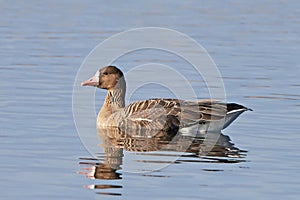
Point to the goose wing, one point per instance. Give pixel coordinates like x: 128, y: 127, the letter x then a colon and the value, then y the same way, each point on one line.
x: 155, y: 114
x: 165, y: 114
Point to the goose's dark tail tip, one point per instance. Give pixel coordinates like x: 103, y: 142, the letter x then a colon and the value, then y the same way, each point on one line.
x: 249, y: 109
x: 235, y: 106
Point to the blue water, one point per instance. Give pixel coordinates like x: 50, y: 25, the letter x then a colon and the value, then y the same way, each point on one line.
x: 255, y: 45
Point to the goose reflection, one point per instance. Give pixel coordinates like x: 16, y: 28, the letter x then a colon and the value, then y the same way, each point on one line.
x: 109, y: 165
x: 114, y: 141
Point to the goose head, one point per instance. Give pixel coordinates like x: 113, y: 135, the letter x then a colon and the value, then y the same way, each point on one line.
x: 109, y: 78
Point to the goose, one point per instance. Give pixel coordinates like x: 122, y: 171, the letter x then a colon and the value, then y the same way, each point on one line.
x: 161, y: 114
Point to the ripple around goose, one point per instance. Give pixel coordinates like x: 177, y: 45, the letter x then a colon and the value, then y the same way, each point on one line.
x: 167, y: 115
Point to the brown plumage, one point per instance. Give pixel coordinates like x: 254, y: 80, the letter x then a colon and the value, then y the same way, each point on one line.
x: 158, y: 114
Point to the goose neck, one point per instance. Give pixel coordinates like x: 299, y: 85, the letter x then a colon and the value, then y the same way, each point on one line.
x: 116, y: 98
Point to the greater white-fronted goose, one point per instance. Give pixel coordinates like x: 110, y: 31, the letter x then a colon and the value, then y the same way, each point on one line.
x: 158, y: 114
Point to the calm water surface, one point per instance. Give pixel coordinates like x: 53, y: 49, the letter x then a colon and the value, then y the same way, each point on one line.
x: 256, y: 47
